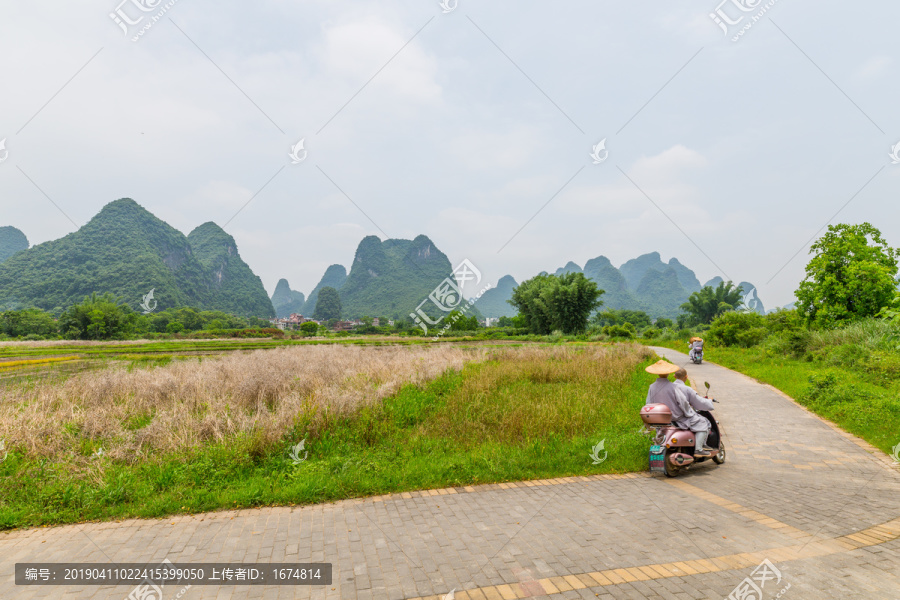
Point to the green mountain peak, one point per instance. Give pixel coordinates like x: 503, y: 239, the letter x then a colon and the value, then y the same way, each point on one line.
x: 11, y: 241
x: 124, y: 249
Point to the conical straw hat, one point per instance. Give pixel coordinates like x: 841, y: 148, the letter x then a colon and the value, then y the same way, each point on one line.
x: 661, y: 367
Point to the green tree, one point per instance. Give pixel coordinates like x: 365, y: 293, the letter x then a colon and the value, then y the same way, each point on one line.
x: 309, y: 328
x: 174, y: 327
x: 709, y: 303
x: 328, y: 305
x: 459, y: 322
x: 547, y: 302
x: 734, y: 328
x: 638, y: 318
x: 663, y: 323
x: 850, y: 277
x: 626, y: 330
x: 29, y: 321
x: 98, y: 318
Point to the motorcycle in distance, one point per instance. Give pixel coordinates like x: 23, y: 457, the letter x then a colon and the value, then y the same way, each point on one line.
x: 673, y: 448
x: 696, y: 350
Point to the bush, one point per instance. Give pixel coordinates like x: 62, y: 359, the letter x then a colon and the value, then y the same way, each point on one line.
x: 886, y: 365
x: 743, y: 329
x: 626, y: 331
x: 650, y: 333
x: 783, y: 320
x: 793, y: 342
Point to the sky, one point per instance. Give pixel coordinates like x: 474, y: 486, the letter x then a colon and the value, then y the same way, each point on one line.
x: 473, y: 123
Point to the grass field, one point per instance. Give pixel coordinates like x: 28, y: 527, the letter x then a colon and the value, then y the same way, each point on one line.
x: 205, y: 433
x: 863, y: 399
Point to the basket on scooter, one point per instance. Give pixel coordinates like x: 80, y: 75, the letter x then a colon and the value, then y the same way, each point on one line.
x: 656, y: 415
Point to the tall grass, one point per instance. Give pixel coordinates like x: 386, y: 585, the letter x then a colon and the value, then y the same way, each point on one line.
x: 195, y: 402
x: 869, y: 333
x: 525, y: 393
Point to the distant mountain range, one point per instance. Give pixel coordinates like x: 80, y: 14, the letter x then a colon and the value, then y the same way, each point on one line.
x: 391, y: 277
x: 126, y: 250
x: 644, y: 283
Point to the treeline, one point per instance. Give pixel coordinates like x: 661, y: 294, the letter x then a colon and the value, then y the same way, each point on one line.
x: 106, y: 317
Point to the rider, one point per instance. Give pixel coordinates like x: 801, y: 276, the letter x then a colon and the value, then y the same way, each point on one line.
x: 663, y: 391
x: 696, y: 346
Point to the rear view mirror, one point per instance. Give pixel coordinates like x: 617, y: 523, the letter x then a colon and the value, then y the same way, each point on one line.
x: 706, y: 383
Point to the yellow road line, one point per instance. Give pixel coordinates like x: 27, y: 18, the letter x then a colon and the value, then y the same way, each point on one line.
x: 872, y: 536
x: 737, y: 508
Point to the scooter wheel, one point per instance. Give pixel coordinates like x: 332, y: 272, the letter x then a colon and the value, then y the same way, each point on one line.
x: 669, y: 469
x: 719, y: 458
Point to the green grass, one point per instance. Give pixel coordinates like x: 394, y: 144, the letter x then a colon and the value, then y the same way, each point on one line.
x: 862, y: 398
x: 499, y: 420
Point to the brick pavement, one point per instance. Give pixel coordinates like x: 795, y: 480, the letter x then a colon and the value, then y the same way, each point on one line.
x: 822, y: 506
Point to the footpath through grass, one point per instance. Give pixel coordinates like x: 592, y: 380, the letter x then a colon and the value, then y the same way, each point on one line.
x: 861, y: 397
x: 523, y: 413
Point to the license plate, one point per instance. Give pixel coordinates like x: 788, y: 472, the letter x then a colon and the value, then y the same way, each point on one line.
x: 657, y: 459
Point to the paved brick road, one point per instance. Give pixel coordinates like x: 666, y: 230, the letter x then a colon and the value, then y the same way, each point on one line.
x: 821, y: 506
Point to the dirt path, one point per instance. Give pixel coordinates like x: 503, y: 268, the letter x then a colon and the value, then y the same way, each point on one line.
x: 821, y: 506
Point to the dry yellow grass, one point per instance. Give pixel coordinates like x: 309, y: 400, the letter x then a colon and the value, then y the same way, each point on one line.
x: 190, y: 403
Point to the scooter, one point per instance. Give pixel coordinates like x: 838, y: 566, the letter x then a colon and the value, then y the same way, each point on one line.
x: 673, y: 448
x: 696, y: 354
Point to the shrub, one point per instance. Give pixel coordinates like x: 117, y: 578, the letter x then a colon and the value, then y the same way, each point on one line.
x: 626, y: 331
x: 796, y: 342
x: 844, y: 355
x: 174, y: 327
x: 738, y: 329
x: 783, y: 320
x: 651, y: 332
x: 826, y: 392
x: 883, y: 364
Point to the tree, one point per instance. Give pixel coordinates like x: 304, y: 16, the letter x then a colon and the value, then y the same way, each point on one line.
x: 638, y: 318
x: 547, y: 302
x: 29, y: 321
x: 735, y: 328
x: 174, y: 327
x: 663, y: 323
x: 328, y: 305
x: 459, y: 322
x: 709, y: 303
x: 98, y: 318
x: 309, y: 328
x: 850, y: 277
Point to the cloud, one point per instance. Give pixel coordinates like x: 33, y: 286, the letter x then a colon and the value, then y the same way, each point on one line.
x: 668, y: 165
x: 874, y: 67
x: 353, y: 51
x: 485, y: 150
